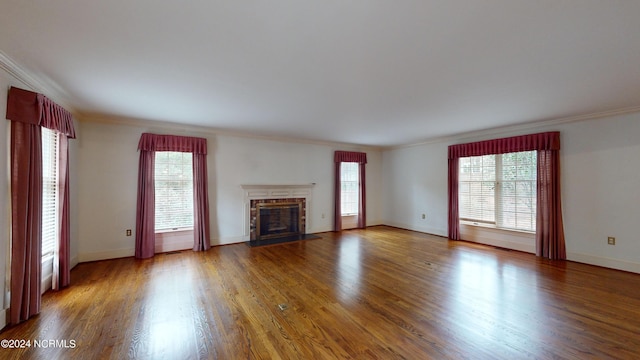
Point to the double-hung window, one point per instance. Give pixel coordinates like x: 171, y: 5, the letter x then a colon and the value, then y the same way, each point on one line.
x: 349, y: 188
x: 50, y: 192
x: 499, y: 190
x: 173, y: 190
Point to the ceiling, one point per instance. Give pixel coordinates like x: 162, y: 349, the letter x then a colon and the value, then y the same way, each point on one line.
x: 371, y: 72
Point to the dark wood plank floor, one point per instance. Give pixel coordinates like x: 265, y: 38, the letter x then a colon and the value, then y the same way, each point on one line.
x: 379, y: 293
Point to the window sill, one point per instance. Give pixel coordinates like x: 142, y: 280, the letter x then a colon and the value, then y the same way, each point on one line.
x: 165, y: 231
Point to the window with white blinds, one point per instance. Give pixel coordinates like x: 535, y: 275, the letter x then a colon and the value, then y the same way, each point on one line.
x: 50, y: 191
x: 174, y: 190
x: 349, y: 174
x: 499, y: 190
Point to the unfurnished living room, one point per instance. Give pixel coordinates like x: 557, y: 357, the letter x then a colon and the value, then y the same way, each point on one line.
x: 320, y: 180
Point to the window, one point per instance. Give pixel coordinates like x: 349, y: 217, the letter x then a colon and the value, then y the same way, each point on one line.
x: 173, y: 190
x: 499, y: 190
x: 50, y: 191
x: 349, y: 187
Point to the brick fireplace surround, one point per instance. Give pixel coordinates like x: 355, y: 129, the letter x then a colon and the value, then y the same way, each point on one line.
x: 271, y: 194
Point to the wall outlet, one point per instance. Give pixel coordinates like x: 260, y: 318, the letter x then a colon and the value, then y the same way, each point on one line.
x: 424, y: 216
x: 611, y: 240
x: 128, y: 232
x: 323, y: 215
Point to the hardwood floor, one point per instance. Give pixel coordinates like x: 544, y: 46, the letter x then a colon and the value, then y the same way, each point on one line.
x: 379, y: 293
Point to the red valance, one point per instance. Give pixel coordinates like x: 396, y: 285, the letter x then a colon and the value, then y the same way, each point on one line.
x: 350, y: 156
x: 153, y: 142
x: 33, y: 108
x: 540, y: 141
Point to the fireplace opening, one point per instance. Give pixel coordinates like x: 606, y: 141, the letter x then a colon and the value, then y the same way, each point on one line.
x: 276, y: 220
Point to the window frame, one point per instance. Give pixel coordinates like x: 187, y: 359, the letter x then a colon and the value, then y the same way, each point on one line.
x: 157, y: 179
x: 351, y: 170
x: 499, y: 182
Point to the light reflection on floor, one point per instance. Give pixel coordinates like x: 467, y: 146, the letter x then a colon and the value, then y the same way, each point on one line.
x: 493, y: 301
x: 167, y: 327
x: 349, y: 269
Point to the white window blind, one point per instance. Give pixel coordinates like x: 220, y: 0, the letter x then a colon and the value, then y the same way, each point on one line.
x: 349, y: 197
x: 174, y: 190
x: 50, y: 191
x: 499, y: 190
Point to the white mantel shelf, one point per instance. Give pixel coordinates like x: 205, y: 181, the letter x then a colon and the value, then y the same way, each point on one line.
x: 277, y: 186
x: 276, y: 191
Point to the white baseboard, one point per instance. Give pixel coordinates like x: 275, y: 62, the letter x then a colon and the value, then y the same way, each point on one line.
x: 617, y: 264
x: 422, y: 229
x: 74, y: 262
x: 319, y: 230
x: 129, y: 252
x: 105, y: 255
x: 228, y: 240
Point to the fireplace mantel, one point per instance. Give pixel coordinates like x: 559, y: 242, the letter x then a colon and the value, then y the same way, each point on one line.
x: 266, y: 191
x: 274, y: 191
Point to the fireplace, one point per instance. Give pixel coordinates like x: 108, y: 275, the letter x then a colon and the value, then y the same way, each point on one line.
x: 274, y: 220
x: 277, y: 218
x: 276, y: 214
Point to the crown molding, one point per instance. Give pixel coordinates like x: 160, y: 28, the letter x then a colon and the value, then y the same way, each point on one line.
x: 497, y: 131
x: 36, y: 83
x: 17, y: 72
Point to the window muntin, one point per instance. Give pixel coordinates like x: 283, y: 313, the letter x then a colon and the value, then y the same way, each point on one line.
x: 349, y: 185
x: 499, y: 190
x: 173, y: 190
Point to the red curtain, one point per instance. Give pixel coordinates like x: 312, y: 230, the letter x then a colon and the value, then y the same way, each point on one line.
x: 337, y: 211
x: 362, y: 203
x: 26, y: 221
x: 549, y: 226
x: 145, y: 214
x: 28, y: 111
x: 146, y: 206
x: 350, y: 156
x: 454, y: 212
x: 202, y: 240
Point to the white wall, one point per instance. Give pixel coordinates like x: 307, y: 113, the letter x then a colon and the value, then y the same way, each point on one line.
x: 601, y: 191
x: 108, y: 173
x: 414, y: 179
x: 600, y: 159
